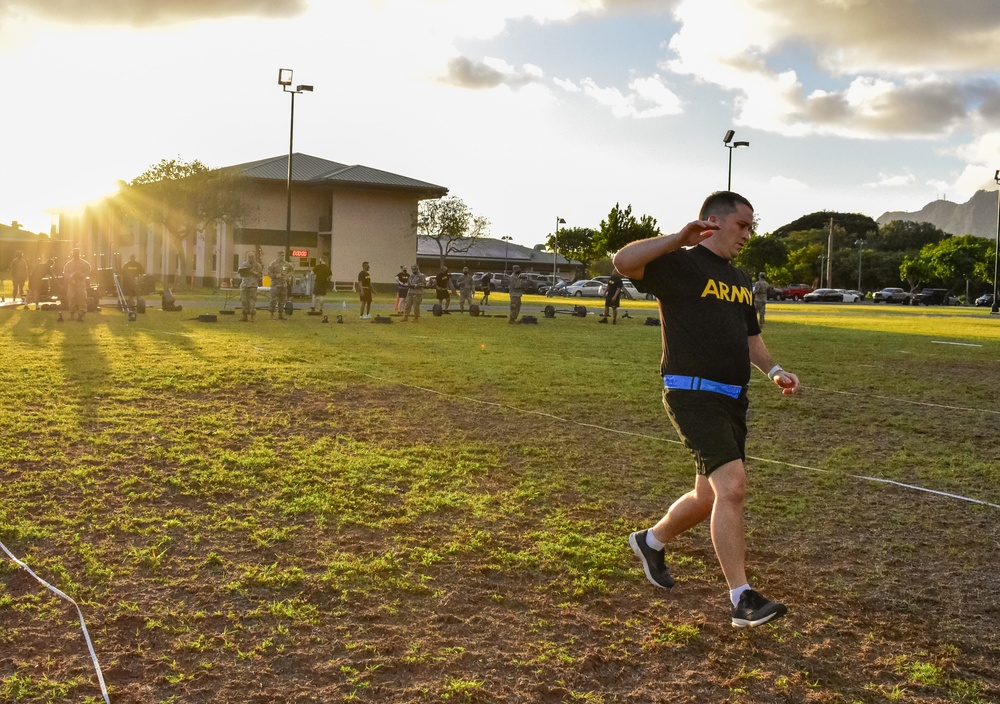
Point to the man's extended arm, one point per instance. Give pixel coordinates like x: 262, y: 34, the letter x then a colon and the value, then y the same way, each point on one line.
x: 631, y: 260
x: 762, y: 359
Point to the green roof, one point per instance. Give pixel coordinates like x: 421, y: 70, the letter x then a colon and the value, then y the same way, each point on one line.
x: 313, y: 170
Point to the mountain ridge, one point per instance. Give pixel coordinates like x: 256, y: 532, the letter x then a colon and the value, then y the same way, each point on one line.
x: 977, y: 216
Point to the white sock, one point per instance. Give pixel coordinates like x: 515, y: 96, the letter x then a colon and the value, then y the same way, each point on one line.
x: 734, y: 594
x: 652, y: 542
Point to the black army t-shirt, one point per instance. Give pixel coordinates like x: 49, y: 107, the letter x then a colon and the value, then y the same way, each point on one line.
x: 706, y: 312
x: 365, y: 279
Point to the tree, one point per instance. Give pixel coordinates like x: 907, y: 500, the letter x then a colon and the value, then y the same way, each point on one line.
x: 762, y: 253
x: 903, y: 235
x: 803, y: 264
x: 185, y: 198
x: 451, y: 224
x: 853, y: 225
x: 914, y: 271
x: 957, y: 259
x: 575, y: 243
x: 620, y: 228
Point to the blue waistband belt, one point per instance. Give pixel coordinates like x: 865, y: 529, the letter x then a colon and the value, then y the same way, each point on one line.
x: 696, y: 383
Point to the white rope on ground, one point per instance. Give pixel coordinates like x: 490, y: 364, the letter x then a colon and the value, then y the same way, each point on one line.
x: 903, y: 400
x: 83, y: 625
x: 529, y: 411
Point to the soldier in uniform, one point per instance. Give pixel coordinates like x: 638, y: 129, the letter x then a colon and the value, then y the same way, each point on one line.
x: 516, y: 286
x: 75, y: 275
x: 280, y: 272
x: 466, y: 287
x: 415, y: 294
x: 250, y: 271
x: 760, y: 288
x: 19, y: 276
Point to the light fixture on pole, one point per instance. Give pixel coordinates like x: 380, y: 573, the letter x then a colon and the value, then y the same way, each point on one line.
x: 555, y: 248
x: 861, y: 244
x: 285, y: 81
x: 726, y: 140
x: 506, y: 243
x: 996, y: 254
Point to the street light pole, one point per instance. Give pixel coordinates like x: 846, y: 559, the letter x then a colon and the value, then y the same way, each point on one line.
x: 285, y: 81
x: 735, y: 145
x: 555, y: 249
x: 996, y: 255
x: 861, y: 244
x: 506, y: 244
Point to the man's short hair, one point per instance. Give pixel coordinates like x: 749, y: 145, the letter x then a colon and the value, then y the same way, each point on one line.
x: 722, y: 203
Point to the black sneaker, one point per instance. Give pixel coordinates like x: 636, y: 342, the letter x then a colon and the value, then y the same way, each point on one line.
x: 652, y: 561
x: 754, y: 609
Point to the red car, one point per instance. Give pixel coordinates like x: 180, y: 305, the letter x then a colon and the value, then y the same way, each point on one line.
x: 794, y: 292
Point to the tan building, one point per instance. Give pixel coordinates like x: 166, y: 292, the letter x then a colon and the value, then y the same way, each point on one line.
x: 345, y: 213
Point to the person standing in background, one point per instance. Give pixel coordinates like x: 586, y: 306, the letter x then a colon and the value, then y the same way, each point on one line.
x: 321, y: 284
x: 415, y: 294
x: 18, y: 276
x: 364, y: 289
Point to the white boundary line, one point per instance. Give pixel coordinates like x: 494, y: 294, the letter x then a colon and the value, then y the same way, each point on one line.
x: 903, y: 400
x: 863, y: 477
x: 83, y: 625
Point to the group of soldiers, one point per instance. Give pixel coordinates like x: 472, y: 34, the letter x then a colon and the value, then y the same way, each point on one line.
x: 75, y: 273
x: 251, y: 273
x: 410, y: 286
x: 280, y: 271
x: 410, y: 291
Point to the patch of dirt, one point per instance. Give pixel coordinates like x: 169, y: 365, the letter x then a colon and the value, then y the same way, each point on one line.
x: 892, y: 594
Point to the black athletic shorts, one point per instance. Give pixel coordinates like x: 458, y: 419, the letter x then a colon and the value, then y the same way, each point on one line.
x: 443, y: 295
x: 366, y: 295
x: 712, y: 426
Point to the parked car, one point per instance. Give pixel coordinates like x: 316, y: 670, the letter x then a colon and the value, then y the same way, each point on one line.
x: 831, y: 295
x: 858, y: 295
x: 892, y: 295
x: 935, y: 297
x: 559, y: 289
x: 533, y: 282
x: 985, y: 300
x: 630, y: 292
x: 586, y: 288
x: 546, y: 282
x: 793, y: 292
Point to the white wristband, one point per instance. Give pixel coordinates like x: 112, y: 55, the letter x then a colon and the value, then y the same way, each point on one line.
x: 774, y: 370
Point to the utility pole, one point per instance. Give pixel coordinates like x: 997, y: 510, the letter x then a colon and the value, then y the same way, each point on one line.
x: 829, y: 257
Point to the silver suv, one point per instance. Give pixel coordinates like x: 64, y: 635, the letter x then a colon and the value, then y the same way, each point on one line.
x: 892, y: 295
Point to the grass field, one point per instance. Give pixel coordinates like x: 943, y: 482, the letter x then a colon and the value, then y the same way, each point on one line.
x: 296, y: 512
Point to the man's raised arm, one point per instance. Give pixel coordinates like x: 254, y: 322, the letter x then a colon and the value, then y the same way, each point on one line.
x: 631, y: 260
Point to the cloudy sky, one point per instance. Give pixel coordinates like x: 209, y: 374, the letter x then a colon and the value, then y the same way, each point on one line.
x: 528, y: 110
